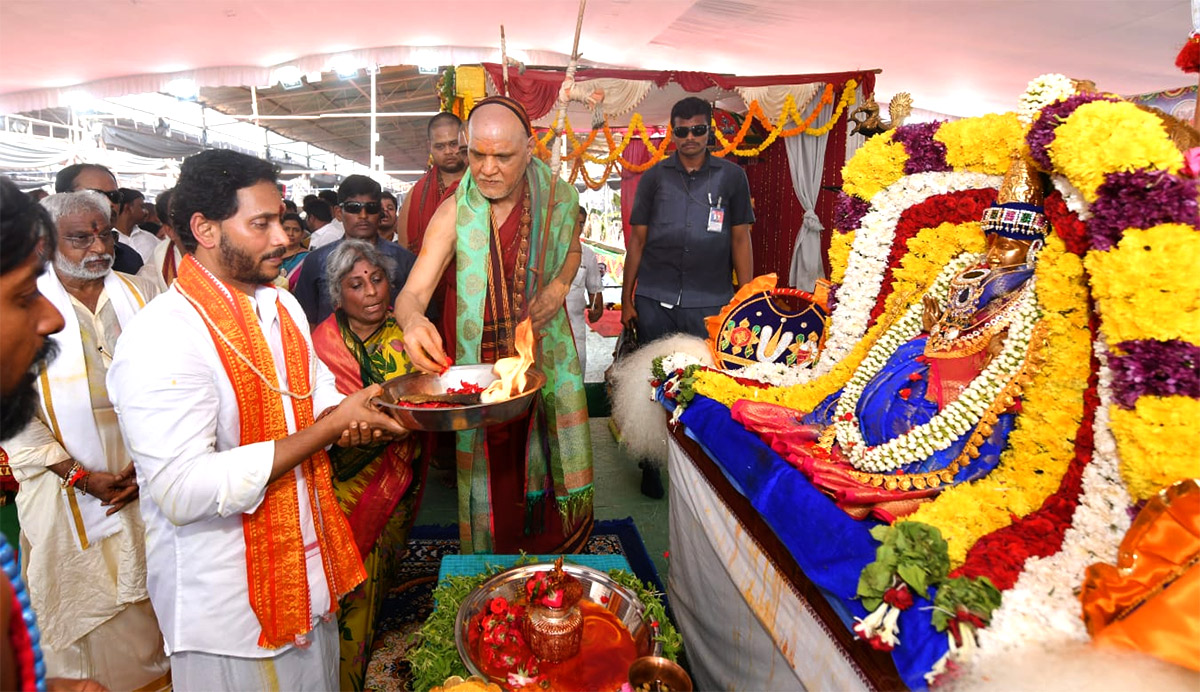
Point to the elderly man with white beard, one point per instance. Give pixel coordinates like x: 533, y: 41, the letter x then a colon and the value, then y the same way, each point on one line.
x: 81, y: 532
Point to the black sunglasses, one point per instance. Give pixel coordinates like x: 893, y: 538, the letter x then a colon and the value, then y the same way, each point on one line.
x: 356, y: 207
x: 113, y: 196
x: 682, y: 131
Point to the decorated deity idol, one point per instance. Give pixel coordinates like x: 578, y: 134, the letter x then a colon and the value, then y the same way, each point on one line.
x: 934, y: 400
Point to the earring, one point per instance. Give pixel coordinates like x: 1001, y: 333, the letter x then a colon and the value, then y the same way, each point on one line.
x: 1031, y: 256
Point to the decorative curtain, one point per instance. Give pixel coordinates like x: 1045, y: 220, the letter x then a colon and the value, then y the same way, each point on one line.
x: 777, y: 212
x: 772, y: 98
x: 635, y: 153
x: 806, y: 161
x: 619, y: 95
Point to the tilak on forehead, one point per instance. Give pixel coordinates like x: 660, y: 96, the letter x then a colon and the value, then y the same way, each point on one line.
x: 511, y: 104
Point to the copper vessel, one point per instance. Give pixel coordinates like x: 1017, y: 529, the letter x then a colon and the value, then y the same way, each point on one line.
x: 554, y: 634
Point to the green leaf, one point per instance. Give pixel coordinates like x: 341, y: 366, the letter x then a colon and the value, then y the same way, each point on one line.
x: 914, y: 576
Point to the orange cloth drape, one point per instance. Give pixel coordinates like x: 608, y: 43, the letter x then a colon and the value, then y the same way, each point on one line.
x: 1150, y: 601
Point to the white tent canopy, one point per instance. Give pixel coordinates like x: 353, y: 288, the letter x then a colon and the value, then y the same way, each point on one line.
x: 962, y: 57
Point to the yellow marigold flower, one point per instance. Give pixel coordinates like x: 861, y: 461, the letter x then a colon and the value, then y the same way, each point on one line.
x: 981, y: 144
x: 1106, y: 137
x: 1157, y: 441
x: 1147, y: 287
x: 839, y: 255
x: 879, y: 163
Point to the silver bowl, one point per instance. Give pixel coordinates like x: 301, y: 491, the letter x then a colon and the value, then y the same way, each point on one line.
x: 598, y: 588
x: 454, y: 417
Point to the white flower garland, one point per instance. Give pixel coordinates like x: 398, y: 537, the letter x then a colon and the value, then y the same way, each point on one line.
x: 960, y: 416
x: 774, y: 374
x: 1042, y: 609
x: 1072, y: 197
x: 867, y: 262
x: 1041, y: 92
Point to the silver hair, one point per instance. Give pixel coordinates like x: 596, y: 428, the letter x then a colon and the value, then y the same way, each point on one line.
x: 345, y: 256
x: 66, y: 204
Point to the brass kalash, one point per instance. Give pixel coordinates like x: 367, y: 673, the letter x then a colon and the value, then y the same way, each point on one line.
x: 425, y: 401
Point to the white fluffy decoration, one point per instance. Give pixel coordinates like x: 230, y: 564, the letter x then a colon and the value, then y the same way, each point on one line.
x: 1078, y: 666
x: 642, y: 420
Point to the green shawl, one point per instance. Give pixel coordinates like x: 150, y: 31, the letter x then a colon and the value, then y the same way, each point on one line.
x: 559, y: 452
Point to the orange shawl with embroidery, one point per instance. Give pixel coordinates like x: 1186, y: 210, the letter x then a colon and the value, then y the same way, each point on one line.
x: 275, y: 561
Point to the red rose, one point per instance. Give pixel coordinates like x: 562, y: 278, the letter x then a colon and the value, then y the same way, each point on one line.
x: 905, y: 393
x: 898, y: 597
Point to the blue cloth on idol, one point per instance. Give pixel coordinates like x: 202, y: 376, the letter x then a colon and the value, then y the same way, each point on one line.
x: 885, y: 415
x: 829, y: 546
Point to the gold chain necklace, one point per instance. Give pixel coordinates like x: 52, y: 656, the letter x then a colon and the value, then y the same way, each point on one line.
x: 246, y: 361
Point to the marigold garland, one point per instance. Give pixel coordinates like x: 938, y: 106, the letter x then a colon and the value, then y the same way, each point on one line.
x: 636, y: 128
x: 876, y: 165
x: 981, y: 144
x: 1148, y: 286
x: 578, y: 150
x: 839, y: 255
x: 1040, y: 447
x: 789, y: 115
x: 1157, y: 440
x: 1105, y: 137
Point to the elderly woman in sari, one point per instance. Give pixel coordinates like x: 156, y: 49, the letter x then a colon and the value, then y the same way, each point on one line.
x: 377, y: 487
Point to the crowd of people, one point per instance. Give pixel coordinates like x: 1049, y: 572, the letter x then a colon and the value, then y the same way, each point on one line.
x: 208, y: 498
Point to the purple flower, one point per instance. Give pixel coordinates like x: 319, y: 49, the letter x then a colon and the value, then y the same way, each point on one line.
x: 1041, y: 133
x: 848, y: 212
x: 1140, y: 200
x: 924, y: 152
x: 1158, y: 368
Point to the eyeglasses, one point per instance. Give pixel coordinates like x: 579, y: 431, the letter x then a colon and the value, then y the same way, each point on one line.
x: 113, y: 196
x: 358, y: 207
x: 682, y: 131
x: 84, y: 241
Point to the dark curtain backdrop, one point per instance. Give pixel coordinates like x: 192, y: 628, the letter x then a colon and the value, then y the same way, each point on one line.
x: 778, y: 213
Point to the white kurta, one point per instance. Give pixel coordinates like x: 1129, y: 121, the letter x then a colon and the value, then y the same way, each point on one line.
x: 329, y: 233
x: 152, y: 270
x: 179, y: 415
x: 141, y: 240
x: 587, y: 279
x: 91, y: 602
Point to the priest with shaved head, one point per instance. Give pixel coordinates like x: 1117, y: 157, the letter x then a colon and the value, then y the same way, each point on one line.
x: 527, y: 484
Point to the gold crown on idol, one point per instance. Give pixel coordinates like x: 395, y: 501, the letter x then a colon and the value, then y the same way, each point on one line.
x: 1017, y: 212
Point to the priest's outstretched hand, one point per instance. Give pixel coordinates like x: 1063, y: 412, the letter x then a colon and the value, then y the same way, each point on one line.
x: 423, y: 345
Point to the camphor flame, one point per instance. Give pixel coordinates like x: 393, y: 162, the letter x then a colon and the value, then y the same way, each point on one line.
x: 511, y: 371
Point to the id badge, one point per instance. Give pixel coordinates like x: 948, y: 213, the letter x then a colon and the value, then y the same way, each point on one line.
x: 716, y: 219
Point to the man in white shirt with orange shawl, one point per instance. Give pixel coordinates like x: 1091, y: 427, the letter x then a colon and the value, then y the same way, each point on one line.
x: 81, y: 534
x: 227, y: 412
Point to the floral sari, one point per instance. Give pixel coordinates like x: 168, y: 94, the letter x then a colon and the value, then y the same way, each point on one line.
x: 376, y: 486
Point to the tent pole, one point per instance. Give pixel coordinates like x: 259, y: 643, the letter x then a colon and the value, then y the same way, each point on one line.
x: 504, y: 59
x: 374, y: 110
x: 556, y: 154
x: 564, y: 93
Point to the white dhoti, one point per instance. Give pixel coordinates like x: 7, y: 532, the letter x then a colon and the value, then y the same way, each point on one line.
x: 127, y: 647
x: 313, y: 668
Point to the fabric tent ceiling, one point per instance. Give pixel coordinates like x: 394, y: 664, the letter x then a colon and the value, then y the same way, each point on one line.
x: 955, y: 56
